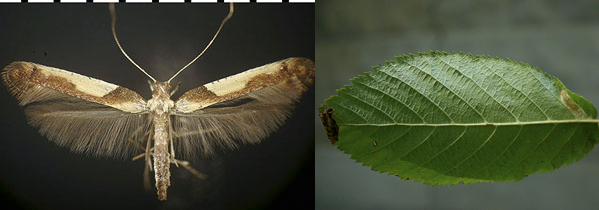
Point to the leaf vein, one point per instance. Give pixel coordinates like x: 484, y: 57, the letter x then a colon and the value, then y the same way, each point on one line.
x: 371, y: 105
x: 489, y: 94
x: 410, y: 108
x: 349, y: 110
x: 390, y: 142
x: 564, y: 144
x: 432, y: 102
x: 450, y: 90
x: 448, y: 146
x: 473, y: 153
x: 424, y: 140
x: 552, y: 129
x: 500, y: 155
x: 533, y: 102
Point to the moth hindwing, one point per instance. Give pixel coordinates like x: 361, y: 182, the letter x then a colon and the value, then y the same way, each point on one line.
x: 94, y: 117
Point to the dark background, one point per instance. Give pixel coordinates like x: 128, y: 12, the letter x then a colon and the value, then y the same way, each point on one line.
x: 35, y: 173
x: 559, y: 37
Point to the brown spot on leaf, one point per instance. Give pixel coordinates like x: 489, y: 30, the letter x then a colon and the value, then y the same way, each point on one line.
x: 572, y: 105
x: 330, y: 125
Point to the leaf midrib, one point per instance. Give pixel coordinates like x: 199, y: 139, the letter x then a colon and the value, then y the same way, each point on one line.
x: 483, y: 124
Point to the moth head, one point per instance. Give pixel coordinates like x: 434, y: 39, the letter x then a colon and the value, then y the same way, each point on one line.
x: 159, y: 88
x: 163, y: 86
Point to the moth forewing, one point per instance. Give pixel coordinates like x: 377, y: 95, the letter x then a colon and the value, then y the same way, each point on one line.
x: 294, y: 74
x: 23, y: 79
x: 243, y: 108
x: 69, y: 113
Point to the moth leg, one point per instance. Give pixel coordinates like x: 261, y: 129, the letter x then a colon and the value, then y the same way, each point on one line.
x: 138, y: 156
x: 195, y: 132
x: 191, y: 170
x: 170, y: 139
x: 137, y: 145
x: 173, y: 151
x: 147, y: 154
x: 147, y: 168
x: 142, y: 154
x: 140, y: 148
x: 183, y: 163
x: 147, y: 185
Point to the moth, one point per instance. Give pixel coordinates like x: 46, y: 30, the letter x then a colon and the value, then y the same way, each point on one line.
x: 91, y: 116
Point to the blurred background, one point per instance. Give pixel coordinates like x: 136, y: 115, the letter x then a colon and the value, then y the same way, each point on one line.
x: 36, y: 173
x: 559, y: 37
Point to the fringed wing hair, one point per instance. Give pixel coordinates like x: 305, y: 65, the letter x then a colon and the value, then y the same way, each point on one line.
x: 84, y: 114
x: 243, y: 108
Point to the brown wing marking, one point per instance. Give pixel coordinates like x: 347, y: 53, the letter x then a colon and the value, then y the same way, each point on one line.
x: 206, y: 117
x: 69, y: 110
x: 297, y: 74
x: 23, y: 78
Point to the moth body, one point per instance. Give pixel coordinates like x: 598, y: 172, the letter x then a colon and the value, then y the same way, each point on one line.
x: 160, y: 105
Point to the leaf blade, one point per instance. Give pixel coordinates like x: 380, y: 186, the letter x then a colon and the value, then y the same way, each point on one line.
x: 447, y: 118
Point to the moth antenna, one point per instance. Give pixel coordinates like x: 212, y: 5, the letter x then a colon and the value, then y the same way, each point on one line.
x: 113, y: 17
x: 210, y: 43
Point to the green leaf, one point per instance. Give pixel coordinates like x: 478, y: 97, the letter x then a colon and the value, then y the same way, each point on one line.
x: 445, y: 118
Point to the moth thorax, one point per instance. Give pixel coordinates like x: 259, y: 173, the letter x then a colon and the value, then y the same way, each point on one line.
x: 160, y: 102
